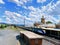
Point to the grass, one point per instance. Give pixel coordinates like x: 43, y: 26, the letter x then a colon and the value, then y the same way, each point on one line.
x: 12, y: 28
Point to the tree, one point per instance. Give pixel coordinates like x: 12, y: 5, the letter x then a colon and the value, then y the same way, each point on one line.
x: 3, y: 25
x: 48, y: 22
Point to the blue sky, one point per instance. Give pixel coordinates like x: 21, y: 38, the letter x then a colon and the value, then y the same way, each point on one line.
x: 14, y: 11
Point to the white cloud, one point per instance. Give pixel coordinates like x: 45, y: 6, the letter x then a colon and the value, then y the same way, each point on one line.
x: 56, y: 9
x: 48, y: 11
x: 37, y: 14
x: 8, y: 20
x: 24, y: 7
x: 0, y: 20
x: 2, y: 2
x: 31, y: 8
x: 52, y: 9
x: 41, y: 1
x: 58, y: 17
x: 13, y: 17
x: 20, y: 2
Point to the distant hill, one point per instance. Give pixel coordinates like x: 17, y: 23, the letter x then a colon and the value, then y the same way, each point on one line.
x: 2, y: 23
x: 12, y: 24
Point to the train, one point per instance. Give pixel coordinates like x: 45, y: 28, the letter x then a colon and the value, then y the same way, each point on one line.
x: 50, y: 32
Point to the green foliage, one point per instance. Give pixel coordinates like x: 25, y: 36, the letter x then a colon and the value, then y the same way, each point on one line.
x: 3, y: 26
x: 48, y: 22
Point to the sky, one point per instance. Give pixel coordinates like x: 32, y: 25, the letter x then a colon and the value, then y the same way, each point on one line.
x: 16, y: 11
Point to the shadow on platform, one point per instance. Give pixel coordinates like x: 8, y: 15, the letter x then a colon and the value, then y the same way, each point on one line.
x: 20, y: 40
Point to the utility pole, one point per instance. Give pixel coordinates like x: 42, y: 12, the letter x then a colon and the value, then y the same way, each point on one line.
x: 24, y: 21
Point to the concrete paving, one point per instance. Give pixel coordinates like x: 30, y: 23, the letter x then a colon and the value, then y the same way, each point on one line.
x: 11, y: 37
x: 8, y: 37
